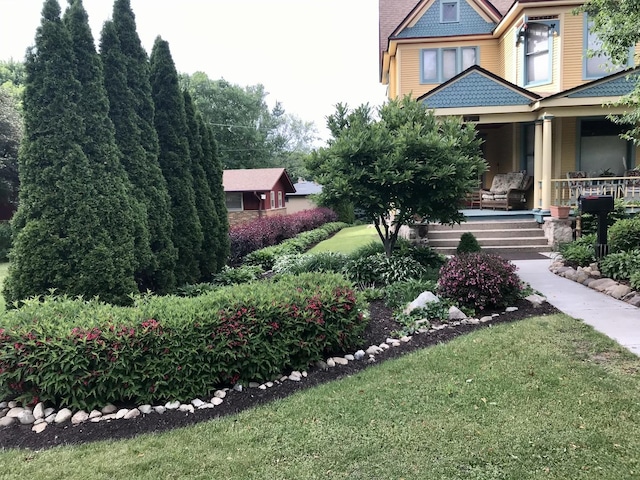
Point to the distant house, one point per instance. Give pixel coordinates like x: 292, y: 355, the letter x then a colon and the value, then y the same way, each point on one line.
x: 300, y: 199
x: 255, y: 193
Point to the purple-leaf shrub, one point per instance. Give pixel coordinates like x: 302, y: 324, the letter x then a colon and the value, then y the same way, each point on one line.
x: 479, y: 281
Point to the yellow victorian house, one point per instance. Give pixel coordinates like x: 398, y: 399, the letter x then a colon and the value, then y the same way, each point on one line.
x: 519, y: 71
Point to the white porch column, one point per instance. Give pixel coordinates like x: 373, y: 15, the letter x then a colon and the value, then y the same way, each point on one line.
x: 547, y: 156
x: 537, y: 166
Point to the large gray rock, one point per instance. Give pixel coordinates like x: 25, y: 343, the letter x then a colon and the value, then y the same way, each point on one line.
x: 456, y: 314
x: 26, y: 418
x: 602, y: 284
x: 63, y: 415
x: 6, y: 421
x: 423, y: 299
x: 38, y: 410
x: 79, y: 417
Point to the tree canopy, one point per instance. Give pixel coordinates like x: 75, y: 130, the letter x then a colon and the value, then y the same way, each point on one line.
x: 401, y: 166
x: 617, y: 24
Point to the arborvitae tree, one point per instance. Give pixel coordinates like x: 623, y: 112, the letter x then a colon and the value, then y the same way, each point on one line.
x: 204, y: 201
x: 119, y: 213
x: 175, y: 161
x: 213, y: 170
x: 60, y: 242
x: 132, y: 112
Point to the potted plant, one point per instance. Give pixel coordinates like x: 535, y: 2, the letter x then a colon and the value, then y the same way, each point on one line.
x: 560, y: 211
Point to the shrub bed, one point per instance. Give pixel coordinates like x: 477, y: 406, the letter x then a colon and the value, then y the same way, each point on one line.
x: 267, y: 231
x: 84, y: 354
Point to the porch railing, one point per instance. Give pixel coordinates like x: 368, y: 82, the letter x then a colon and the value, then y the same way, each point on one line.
x: 567, y: 192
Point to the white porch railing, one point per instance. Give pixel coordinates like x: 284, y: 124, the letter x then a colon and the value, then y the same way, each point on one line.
x: 567, y: 192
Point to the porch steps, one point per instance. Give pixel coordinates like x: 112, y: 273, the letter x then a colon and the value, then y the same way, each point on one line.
x: 494, y: 236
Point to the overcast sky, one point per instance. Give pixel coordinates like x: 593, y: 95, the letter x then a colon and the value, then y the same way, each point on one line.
x: 309, y: 54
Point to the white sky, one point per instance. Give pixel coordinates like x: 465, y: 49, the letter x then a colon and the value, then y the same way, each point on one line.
x: 309, y: 54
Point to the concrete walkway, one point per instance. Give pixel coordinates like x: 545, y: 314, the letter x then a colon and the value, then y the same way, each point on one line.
x: 614, y: 318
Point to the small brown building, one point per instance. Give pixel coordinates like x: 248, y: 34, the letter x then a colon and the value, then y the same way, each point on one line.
x: 255, y: 193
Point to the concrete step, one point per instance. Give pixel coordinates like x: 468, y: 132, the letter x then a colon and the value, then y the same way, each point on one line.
x: 503, y: 233
x: 485, y: 225
x: 491, y: 242
x: 500, y: 249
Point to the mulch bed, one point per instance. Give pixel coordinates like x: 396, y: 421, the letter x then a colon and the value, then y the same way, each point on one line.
x: 379, y: 329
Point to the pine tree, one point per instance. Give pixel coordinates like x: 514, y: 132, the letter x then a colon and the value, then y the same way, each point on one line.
x: 213, y: 170
x: 60, y: 242
x: 120, y: 215
x: 175, y: 161
x: 132, y: 112
x: 205, y: 205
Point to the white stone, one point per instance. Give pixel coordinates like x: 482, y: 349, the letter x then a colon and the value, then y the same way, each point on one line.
x: 405, y: 339
x: 196, y: 402
x: 95, y: 414
x: 295, y: 376
x: 269, y: 384
x: 331, y: 362
x: 12, y: 404
x: 39, y: 421
x: 145, y: 409
x: 475, y: 321
x: 204, y: 406
x: 396, y: 344
x: 109, y: 408
x: 63, y: 415
x: 284, y: 378
x: 220, y: 394
x: 262, y: 387
x: 535, y: 299
x: 384, y: 346
x: 38, y: 410
x: 485, y: 319
x: 172, y: 405
x: 79, y: 417
x: 359, y: 355
x: 6, y: 421
x: 439, y: 327
x: 159, y: 409
x: 121, y: 413
x: 511, y: 309
x: 96, y: 419
x: 455, y: 313
x: 15, y: 412
x: 237, y: 387
x: 254, y: 384
x: 39, y: 428
x: 389, y: 341
x: 108, y: 417
x: 373, y: 350
x: 350, y: 357
x: 495, y: 315
x: 216, y: 401
x: 3, y: 405
x: 186, y: 408
x: 50, y: 418
x: 421, y: 301
x: 340, y: 361
x: 26, y: 418
x: 133, y: 413
x: 48, y: 411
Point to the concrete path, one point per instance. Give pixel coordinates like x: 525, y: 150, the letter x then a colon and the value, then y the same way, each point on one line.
x: 614, y: 318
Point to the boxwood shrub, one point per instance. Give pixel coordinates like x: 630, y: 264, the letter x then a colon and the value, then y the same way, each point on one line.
x: 84, y: 354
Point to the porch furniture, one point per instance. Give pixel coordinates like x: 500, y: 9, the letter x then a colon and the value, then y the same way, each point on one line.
x: 508, y: 191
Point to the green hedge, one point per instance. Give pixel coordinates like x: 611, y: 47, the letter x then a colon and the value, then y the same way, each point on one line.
x: 84, y: 354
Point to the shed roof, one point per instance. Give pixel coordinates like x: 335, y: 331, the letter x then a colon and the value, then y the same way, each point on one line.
x: 306, y: 188
x: 256, y: 180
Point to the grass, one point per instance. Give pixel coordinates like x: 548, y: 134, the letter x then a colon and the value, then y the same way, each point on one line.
x: 543, y: 398
x: 348, y: 239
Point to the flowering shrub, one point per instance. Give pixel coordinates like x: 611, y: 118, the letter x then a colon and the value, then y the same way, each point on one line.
x: 84, y: 354
x: 479, y: 280
x: 267, y: 231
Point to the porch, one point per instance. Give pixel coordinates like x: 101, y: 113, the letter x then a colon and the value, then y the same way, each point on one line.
x: 568, y: 191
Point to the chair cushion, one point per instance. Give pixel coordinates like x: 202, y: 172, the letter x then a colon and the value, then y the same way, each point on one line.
x: 503, y: 182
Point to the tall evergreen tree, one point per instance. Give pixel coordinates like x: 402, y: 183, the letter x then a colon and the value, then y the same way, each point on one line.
x: 120, y: 214
x: 205, y: 205
x: 175, y: 161
x: 132, y: 112
x: 60, y: 242
x: 213, y: 170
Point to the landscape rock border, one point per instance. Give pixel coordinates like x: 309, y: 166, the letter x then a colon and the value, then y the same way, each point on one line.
x: 591, y: 277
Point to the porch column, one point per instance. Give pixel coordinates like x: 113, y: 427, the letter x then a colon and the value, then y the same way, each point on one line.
x: 537, y: 166
x: 547, y: 153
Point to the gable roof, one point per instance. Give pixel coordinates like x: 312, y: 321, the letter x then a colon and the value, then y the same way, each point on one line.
x: 477, y: 87
x: 614, y: 85
x: 256, y: 180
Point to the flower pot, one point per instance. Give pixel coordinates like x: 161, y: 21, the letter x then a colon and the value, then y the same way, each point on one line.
x: 560, y: 211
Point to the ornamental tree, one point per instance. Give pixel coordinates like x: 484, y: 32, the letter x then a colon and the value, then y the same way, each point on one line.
x: 402, y: 166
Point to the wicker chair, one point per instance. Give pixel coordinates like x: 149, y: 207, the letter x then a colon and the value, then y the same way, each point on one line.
x: 508, y: 191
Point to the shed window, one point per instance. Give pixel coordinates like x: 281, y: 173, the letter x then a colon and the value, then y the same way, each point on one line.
x: 234, y: 200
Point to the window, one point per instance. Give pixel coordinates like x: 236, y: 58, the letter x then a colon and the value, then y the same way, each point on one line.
x: 273, y: 199
x: 598, y: 65
x: 449, y: 12
x: 279, y: 199
x: 234, y: 200
x: 537, y: 54
x: 439, y: 65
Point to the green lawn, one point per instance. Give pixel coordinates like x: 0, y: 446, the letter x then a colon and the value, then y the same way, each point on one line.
x: 348, y: 239
x: 543, y: 398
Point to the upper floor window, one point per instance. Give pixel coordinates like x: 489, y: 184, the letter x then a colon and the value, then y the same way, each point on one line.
x: 449, y: 11
x: 440, y: 64
x: 537, y: 52
x: 600, y: 65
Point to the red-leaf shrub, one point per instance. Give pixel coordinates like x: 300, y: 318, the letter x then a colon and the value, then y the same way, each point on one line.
x: 479, y: 281
x: 264, y: 232
x: 85, y: 354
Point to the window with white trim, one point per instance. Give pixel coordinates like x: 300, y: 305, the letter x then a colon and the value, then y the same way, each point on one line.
x: 537, y: 53
x: 449, y: 11
x: 273, y: 199
x: 233, y: 200
x: 440, y: 64
x: 600, y: 65
x: 279, y: 199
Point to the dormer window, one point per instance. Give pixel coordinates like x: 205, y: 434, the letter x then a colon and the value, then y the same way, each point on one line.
x: 449, y: 11
x: 538, y: 38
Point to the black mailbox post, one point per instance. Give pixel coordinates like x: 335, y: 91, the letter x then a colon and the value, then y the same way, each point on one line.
x: 599, y: 205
